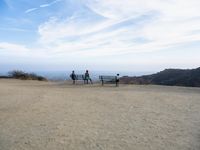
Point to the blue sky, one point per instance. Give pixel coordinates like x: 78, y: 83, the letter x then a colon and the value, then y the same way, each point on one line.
x: 127, y: 35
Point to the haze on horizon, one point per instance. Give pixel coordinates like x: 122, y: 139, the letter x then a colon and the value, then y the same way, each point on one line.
x: 125, y: 35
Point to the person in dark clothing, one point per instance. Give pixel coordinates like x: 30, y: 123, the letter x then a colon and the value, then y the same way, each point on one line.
x: 117, y: 80
x: 73, y: 76
x: 87, y: 77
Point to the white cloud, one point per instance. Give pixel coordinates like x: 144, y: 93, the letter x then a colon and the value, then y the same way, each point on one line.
x: 30, y: 10
x: 17, y: 51
x: 14, y: 29
x: 120, y: 9
x: 54, y: 29
x: 13, y: 49
x: 163, y: 24
x: 49, y: 4
x: 42, y: 6
x: 102, y: 28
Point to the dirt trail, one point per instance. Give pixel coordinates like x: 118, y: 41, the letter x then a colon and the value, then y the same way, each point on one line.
x: 56, y: 116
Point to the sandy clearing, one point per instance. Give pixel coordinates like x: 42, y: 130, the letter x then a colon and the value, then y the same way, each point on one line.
x: 59, y: 116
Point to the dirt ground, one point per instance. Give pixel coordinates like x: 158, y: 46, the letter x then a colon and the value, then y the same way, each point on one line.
x: 59, y: 116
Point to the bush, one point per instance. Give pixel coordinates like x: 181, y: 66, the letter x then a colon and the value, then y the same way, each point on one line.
x: 17, y: 74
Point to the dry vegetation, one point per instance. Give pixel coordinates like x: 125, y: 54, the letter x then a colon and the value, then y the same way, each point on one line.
x: 17, y: 74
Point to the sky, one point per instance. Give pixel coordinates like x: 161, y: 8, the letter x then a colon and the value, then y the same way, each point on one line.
x: 124, y: 35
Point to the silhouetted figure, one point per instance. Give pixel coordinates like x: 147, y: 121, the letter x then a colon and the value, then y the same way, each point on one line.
x: 87, y: 77
x: 73, y: 77
x: 117, y: 80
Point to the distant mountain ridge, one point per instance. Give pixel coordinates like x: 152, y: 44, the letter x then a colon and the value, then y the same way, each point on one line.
x: 172, y: 77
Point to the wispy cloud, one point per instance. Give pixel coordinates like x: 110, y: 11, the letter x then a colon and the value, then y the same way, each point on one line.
x: 9, y: 4
x: 42, y: 6
x: 30, y: 10
x: 19, y: 52
x: 14, y: 49
x: 158, y: 22
x: 14, y: 29
x: 98, y: 28
x: 49, y: 4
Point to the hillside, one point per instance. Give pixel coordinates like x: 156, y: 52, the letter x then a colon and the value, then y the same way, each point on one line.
x: 172, y: 77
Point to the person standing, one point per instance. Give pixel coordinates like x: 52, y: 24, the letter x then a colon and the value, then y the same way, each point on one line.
x: 73, y: 76
x: 117, y: 80
x: 87, y: 77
